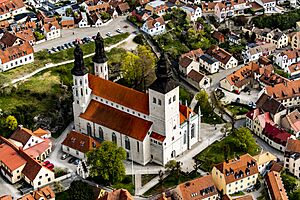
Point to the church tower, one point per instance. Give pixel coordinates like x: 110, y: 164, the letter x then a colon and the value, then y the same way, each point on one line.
x: 164, y: 100
x: 100, y: 59
x: 81, y: 90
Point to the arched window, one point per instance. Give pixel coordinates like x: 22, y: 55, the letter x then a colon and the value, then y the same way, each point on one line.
x: 89, y: 129
x: 114, y: 138
x: 184, y: 138
x: 193, y: 131
x: 127, y: 143
x: 101, y: 134
x: 80, y: 82
x: 81, y: 92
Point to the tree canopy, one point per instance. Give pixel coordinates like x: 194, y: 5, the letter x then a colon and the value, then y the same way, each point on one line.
x: 106, y: 162
x: 11, y: 122
x: 80, y: 191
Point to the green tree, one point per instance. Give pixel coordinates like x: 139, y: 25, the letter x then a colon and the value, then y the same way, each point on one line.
x: 106, y: 162
x: 69, y: 12
x: 80, y: 191
x: 58, y: 187
x: 11, y: 122
x: 38, y: 36
x: 202, y: 98
x: 290, y: 182
x: 105, y: 16
x: 175, y: 167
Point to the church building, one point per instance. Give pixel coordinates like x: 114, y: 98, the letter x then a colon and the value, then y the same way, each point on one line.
x: 151, y: 126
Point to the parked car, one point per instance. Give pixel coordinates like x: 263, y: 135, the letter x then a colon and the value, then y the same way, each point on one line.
x: 71, y: 44
x: 109, y: 34
x: 119, y: 30
x: 50, y: 51
x: 72, y: 159
x: 59, y: 48
x: 46, y: 162
x: 54, y: 49
x: 66, y: 45
x: 76, y: 162
x: 64, y: 156
x: 50, y: 166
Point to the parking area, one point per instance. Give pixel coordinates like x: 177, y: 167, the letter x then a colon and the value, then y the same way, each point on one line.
x: 248, y: 98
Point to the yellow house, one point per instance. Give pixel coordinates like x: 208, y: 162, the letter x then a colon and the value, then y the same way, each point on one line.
x: 263, y: 160
x: 235, y: 175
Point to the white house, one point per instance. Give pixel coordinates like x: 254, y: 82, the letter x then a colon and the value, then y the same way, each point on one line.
x: 192, y: 12
x: 268, y: 5
x: 157, y: 7
x: 96, y: 20
x: 226, y: 59
x: 52, y: 30
x: 287, y: 58
x: 292, y: 157
x: 16, y: 56
x: 186, y: 64
x: 209, y: 63
x: 198, y: 79
x: 224, y: 10
x: 83, y: 23
x: 154, y: 26
x: 78, y: 144
x: 263, y: 160
x: 10, y: 8
x: 150, y: 126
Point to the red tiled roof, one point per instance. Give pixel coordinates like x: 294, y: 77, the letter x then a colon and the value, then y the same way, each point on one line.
x: 10, y: 157
x: 293, y: 146
x: 157, y: 136
x: 275, y: 186
x: 195, y: 76
x: 7, y: 6
x: 184, y: 113
x: 185, y: 62
x: 119, y: 94
x: 120, y: 194
x: 276, y: 134
x: 26, y: 35
x: 15, y: 52
x: 40, y: 132
x: 117, y: 120
x: 38, y: 149
x: 150, y: 22
x: 48, y: 25
x: 80, y: 142
x: 21, y: 135
x: 284, y: 90
x: 6, y: 197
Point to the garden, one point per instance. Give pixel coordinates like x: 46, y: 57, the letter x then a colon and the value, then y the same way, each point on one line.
x: 237, y: 109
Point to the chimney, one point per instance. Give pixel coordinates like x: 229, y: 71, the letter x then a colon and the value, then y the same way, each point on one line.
x: 20, y: 126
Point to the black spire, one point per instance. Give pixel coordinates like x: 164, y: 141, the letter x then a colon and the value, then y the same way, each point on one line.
x: 164, y: 82
x: 99, y: 56
x: 79, y: 69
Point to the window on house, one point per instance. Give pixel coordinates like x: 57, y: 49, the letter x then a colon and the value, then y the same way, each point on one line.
x: 154, y: 100
x: 101, y: 137
x: 127, y: 143
x: 159, y: 102
x: 184, y: 139
x: 137, y: 146
x: 114, y: 138
x: 170, y: 101
x: 89, y: 129
x: 193, y: 131
x: 174, y: 98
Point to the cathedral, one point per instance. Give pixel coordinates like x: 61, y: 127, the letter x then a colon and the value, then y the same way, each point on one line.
x: 151, y: 126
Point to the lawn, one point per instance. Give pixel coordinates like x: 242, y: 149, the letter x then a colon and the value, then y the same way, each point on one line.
x: 214, y: 154
x: 43, y: 57
x: 171, y: 181
x: 237, y: 109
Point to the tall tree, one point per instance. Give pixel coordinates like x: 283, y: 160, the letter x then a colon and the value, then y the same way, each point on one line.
x: 11, y: 122
x: 244, y: 140
x: 106, y: 162
x: 80, y: 191
x: 175, y: 167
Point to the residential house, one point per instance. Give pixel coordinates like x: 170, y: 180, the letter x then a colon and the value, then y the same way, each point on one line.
x: 200, y: 188
x: 157, y: 7
x: 264, y: 160
x: 123, y: 8
x: 235, y: 175
x: 6, y: 197
x: 26, y: 35
x: 218, y: 36
x: 240, y: 6
x: 141, y: 14
x: 294, y: 71
x: 51, y: 30
x: 198, y: 79
x: 208, y: 7
x: 291, y: 122
x: 95, y: 20
x: 254, y: 52
x: 287, y: 93
x: 82, y: 21
x: 120, y: 194
x: 226, y: 59
x: 44, y: 193
x: 194, y: 54
x: 275, y: 186
x: 287, y: 58
x: 276, y: 36
x: 143, y: 2
x: 209, y: 63
x: 98, y: 8
x: 275, y: 136
x: 268, y: 5
x: 78, y: 144
x: 186, y: 64
x: 15, y: 165
x: 154, y: 26
x: 269, y: 78
x: 294, y: 39
x: 35, y: 144
x: 15, y: 56
x: 9, y: 40
x: 233, y: 38
x: 245, y: 197
x: 292, y: 157
x: 224, y: 10
x: 67, y: 23
x: 192, y: 12
x: 239, y: 79
x: 10, y: 8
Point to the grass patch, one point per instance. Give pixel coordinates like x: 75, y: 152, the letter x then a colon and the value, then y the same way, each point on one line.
x: 171, y: 181
x: 147, y: 177
x: 126, y: 183
x: 281, y: 72
x: 214, y: 153
x: 237, y: 109
x: 62, y: 195
x: 43, y: 57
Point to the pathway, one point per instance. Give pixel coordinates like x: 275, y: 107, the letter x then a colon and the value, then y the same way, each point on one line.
x: 51, y: 65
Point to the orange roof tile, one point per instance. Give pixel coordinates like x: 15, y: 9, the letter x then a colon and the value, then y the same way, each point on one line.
x: 284, y: 90
x: 40, y: 132
x: 120, y: 194
x: 151, y: 22
x: 117, y: 120
x: 26, y: 35
x: 21, y: 135
x: 232, y: 169
x: 6, y: 197
x: 275, y: 186
x: 157, y: 136
x: 119, y: 94
x: 10, y: 157
x: 14, y: 52
x: 38, y: 149
x: 293, y: 146
x: 80, y: 142
x: 47, y: 26
x: 7, y: 6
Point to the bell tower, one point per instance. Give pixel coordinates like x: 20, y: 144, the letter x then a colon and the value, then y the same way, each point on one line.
x: 100, y: 59
x: 81, y: 90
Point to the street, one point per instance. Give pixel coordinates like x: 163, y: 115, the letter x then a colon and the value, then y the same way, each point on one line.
x: 68, y: 36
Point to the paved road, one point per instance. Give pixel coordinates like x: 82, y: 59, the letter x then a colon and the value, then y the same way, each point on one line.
x: 268, y: 148
x: 67, y: 35
x: 8, y: 189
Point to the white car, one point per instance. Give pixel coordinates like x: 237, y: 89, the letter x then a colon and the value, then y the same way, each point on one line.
x: 119, y: 30
x: 109, y: 34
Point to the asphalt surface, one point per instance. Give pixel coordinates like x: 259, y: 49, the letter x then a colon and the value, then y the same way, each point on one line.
x: 68, y: 36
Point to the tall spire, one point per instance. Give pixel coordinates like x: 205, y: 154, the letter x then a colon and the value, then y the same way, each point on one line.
x: 99, y: 56
x: 164, y: 81
x: 79, y: 69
